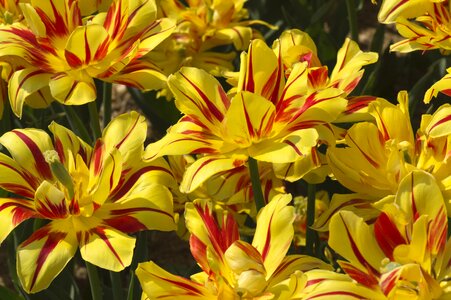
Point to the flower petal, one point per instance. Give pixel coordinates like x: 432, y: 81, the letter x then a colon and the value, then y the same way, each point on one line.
x: 24, y: 84
x: 16, y: 179
x: 148, y: 209
x: 354, y: 240
x: 70, y: 91
x: 27, y: 146
x: 157, y: 283
x: 50, y: 202
x: 12, y: 213
x: 198, y: 94
x: 205, y: 167
x: 44, y: 255
x: 140, y: 74
x: 105, y: 246
x: 440, y: 123
x: 274, y: 232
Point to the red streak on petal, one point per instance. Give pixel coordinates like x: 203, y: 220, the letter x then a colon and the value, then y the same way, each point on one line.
x: 100, y: 232
x: 249, y: 84
x: 72, y: 59
x: 267, y: 245
x: 210, y: 105
x: 127, y: 135
x: 250, y: 128
x: 53, y: 238
x: 444, y: 120
x: 98, y: 156
x: 296, y: 149
x: 87, y: 49
x: 41, y: 165
x: 126, y: 224
x: 387, y: 235
x: 188, y: 287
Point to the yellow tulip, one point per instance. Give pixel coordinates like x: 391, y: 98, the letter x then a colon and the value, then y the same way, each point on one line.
x: 92, y: 198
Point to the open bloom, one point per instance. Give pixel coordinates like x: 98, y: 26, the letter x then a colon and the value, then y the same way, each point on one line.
x: 426, y: 24
x: 235, y: 269
x: 202, y: 27
x: 59, y: 54
x: 268, y: 117
x: 404, y: 255
x: 90, y: 197
x: 375, y: 156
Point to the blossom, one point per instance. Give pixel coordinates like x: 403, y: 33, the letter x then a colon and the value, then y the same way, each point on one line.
x: 426, y: 24
x: 267, y: 117
x: 202, y: 27
x: 405, y: 253
x: 235, y: 269
x: 90, y: 197
x: 376, y: 156
x: 59, y: 54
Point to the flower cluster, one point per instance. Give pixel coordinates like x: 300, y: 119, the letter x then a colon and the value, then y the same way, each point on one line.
x: 236, y: 175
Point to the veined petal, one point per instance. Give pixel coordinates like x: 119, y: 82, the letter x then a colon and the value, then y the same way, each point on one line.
x: 85, y: 45
x: 412, y: 192
x: 13, y: 212
x: 104, y: 171
x: 325, y: 285
x: 239, y: 35
x: 209, y: 231
x: 347, y: 72
x: 149, y: 209
x: 50, y: 202
x: 443, y: 86
x: 158, y: 31
x: 189, y: 135
x: 207, y: 166
x: 16, y: 179
x: 105, y: 246
x: 127, y: 133
x: 27, y: 146
x: 248, y: 119
x: 68, y: 143
x: 24, y: 84
x: 200, y: 95
x: 292, y: 263
x: 290, y: 148
x: 274, y: 232
x: 440, y: 123
x: 70, y: 91
x: 259, y: 70
x: 391, y: 9
x: 353, y: 239
x: 45, y: 254
x: 140, y: 74
x: 360, y: 204
x: 158, y: 283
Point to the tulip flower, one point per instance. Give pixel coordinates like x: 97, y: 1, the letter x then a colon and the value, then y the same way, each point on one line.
x: 90, y: 198
x: 59, y: 54
x: 235, y: 269
x: 405, y: 253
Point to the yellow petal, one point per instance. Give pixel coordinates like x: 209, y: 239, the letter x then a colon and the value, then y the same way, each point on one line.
x: 44, y: 255
x: 105, y: 246
x: 274, y: 232
x: 70, y: 91
x: 24, y: 84
x: 158, y: 283
x: 207, y: 166
x: 27, y: 146
x: 12, y: 213
x: 354, y: 240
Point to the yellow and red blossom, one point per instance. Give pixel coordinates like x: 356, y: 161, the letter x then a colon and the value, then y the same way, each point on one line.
x: 59, y: 54
x: 426, y: 24
x: 93, y: 197
x: 405, y: 252
x: 268, y: 117
x: 386, y: 150
x: 234, y: 269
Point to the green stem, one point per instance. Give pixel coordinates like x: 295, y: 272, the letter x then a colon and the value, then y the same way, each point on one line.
x: 131, y: 287
x: 76, y: 124
x: 94, y: 281
x: 107, y: 91
x: 352, y: 19
x: 310, y: 234
x: 256, y: 184
x: 94, y: 116
x: 141, y: 254
x: 116, y: 285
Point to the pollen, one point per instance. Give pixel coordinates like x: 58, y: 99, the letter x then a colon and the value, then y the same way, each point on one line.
x: 51, y: 156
